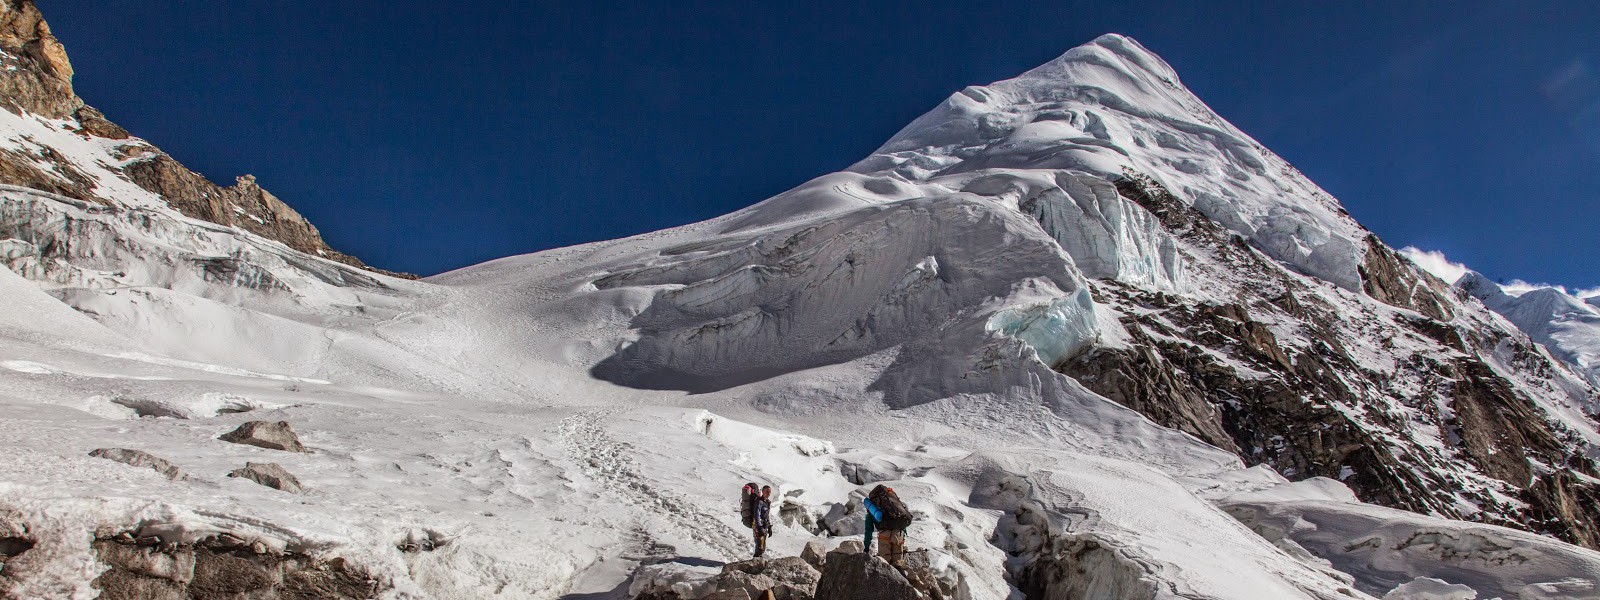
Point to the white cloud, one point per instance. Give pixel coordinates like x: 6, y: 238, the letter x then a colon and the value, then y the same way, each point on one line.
x: 1434, y: 261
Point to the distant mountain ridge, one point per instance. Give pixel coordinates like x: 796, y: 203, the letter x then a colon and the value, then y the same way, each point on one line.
x: 36, y: 91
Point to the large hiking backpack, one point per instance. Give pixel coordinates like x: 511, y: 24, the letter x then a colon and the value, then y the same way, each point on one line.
x: 747, y: 503
x: 896, y: 516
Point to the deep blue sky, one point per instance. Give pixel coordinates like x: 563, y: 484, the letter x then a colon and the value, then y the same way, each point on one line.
x: 427, y: 135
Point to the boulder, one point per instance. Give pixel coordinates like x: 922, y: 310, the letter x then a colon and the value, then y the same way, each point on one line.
x: 859, y: 576
x: 275, y: 436
x: 140, y: 458
x: 271, y: 475
x: 849, y: 547
x: 787, y: 578
x: 795, y: 577
x: 814, y: 553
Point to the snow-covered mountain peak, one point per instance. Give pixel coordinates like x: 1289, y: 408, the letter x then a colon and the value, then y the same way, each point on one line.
x: 1113, y: 109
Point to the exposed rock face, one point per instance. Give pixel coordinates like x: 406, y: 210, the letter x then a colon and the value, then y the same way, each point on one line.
x: 35, y: 75
x: 223, y: 567
x: 276, y: 436
x: 1565, y: 506
x: 23, y: 167
x: 92, y: 122
x: 1321, y: 404
x: 271, y: 475
x: 1385, y: 279
x: 36, y: 79
x: 245, y: 204
x: 140, y: 458
x: 860, y: 576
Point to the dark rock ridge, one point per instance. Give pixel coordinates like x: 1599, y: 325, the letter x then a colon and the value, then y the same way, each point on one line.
x: 1313, y: 408
x: 36, y: 78
x: 223, y: 566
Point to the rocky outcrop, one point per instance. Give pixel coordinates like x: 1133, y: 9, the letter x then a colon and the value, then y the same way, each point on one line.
x: 1287, y: 421
x: 1565, y: 506
x: 272, y: 475
x: 1215, y: 372
x: 272, y: 435
x: 788, y: 578
x: 223, y: 566
x: 36, y: 78
x: 1314, y: 384
x: 91, y: 122
x: 1389, y: 278
x: 35, y: 75
x: 26, y: 167
x: 140, y: 458
x: 860, y: 576
x: 245, y: 205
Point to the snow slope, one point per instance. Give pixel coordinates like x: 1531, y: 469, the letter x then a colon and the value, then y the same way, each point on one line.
x: 541, y: 426
x: 1566, y: 324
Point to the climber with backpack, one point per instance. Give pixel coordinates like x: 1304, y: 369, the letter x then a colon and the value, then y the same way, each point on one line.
x: 755, y: 510
x: 889, y: 517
